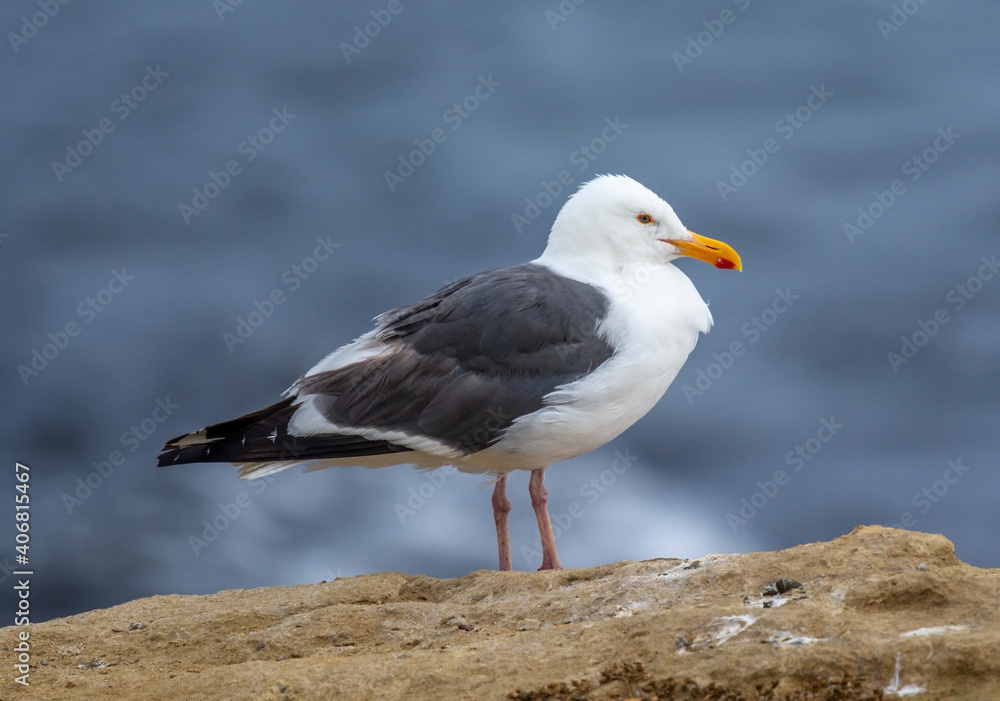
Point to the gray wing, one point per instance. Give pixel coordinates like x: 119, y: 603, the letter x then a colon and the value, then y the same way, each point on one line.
x: 471, y: 358
x: 457, y: 368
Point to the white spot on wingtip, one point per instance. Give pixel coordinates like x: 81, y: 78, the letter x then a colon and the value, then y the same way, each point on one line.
x: 196, y: 438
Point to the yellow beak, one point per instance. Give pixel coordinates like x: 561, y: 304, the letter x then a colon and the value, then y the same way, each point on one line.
x: 716, y: 253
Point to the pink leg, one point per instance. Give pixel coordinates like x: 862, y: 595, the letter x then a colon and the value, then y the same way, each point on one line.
x: 539, y: 500
x: 501, y: 508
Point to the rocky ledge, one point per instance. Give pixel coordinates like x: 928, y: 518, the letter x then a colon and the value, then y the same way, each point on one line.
x: 878, y: 613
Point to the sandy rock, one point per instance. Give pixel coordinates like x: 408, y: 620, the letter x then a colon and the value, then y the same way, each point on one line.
x: 876, y: 613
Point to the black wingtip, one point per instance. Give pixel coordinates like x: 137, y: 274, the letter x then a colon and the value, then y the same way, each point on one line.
x: 263, y: 437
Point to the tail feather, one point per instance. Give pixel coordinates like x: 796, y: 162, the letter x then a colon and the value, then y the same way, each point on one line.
x: 262, y: 437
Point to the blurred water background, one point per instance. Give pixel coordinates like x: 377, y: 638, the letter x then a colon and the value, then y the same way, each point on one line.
x: 168, y: 167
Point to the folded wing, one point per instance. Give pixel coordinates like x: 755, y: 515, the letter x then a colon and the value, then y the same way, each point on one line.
x: 445, y: 376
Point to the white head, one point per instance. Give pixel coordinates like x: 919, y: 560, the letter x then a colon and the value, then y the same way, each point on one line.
x: 612, y: 222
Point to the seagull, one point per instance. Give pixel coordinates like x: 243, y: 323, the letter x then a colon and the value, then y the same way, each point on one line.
x: 515, y: 368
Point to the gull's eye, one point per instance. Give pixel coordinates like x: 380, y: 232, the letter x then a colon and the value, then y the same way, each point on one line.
x: 644, y: 218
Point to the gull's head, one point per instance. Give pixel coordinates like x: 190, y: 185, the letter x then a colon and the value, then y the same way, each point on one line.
x: 614, y: 221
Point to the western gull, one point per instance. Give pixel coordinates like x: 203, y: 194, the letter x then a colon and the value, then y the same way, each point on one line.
x: 511, y: 369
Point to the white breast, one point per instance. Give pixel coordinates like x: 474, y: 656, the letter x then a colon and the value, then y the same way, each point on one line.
x: 655, y: 317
